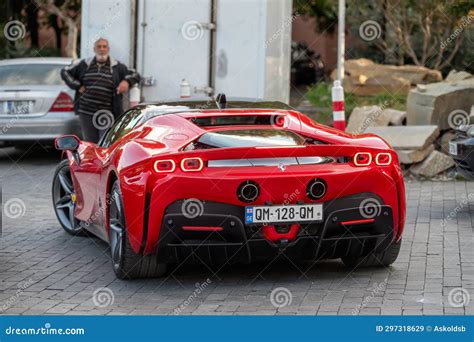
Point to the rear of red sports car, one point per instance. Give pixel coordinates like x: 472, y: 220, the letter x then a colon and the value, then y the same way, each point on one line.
x: 243, y: 185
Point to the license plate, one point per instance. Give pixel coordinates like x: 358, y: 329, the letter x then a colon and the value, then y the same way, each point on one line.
x: 453, y: 148
x: 16, y: 107
x: 284, y: 213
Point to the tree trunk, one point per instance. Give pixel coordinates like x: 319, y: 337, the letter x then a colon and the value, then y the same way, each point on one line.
x: 71, y: 45
x: 32, y: 23
x: 53, y: 19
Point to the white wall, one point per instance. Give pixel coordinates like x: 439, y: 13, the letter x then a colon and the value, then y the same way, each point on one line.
x: 109, y: 19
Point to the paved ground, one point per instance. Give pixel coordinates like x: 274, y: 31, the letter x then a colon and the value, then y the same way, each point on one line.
x: 45, y: 271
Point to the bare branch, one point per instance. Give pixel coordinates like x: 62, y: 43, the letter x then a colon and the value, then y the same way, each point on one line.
x: 457, y: 45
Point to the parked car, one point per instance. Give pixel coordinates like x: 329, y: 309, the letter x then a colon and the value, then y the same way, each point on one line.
x: 307, y: 66
x: 230, y: 182
x: 35, y: 104
x: 461, y: 148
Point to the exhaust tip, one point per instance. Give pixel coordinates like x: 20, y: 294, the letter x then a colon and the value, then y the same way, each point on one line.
x: 316, y: 189
x: 248, y: 191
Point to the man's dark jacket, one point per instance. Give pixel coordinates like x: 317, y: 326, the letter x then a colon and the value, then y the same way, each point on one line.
x: 74, y: 74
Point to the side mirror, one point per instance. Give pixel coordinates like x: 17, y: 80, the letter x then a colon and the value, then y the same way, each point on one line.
x: 67, y: 143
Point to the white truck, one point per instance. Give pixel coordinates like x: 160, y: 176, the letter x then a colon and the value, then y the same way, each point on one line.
x: 203, y: 47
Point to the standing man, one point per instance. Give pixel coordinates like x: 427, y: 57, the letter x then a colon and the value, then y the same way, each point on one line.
x: 99, y: 82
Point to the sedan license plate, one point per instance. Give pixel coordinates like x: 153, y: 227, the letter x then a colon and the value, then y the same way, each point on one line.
x: 453, y: 148
x: 284, y: 213
x: 16, y: 107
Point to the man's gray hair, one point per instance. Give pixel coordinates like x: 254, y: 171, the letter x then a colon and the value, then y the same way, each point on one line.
x: 101, y: 38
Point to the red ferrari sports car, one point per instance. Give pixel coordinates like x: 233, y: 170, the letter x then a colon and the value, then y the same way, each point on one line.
x: 230, y: 181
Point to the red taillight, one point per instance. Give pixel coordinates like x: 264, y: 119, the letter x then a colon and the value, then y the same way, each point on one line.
x: 192, y: 164
x: 63, y: 103
x: 167, y: 165
x: 383, y: 159
x: 362, y: 159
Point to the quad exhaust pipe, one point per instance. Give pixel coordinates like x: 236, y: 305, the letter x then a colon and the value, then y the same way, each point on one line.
x: 249, y: 191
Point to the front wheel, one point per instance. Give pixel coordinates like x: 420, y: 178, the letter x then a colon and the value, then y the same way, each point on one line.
x: 126, y: 263
x: 385, y: 257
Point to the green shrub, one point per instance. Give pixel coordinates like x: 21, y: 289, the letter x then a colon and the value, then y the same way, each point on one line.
x: 319, y: 96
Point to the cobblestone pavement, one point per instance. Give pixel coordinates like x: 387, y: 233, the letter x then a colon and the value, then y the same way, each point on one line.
x: 43, y: 270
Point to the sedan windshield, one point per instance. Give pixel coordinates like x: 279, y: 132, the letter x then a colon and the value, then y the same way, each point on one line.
x: 30, y: 74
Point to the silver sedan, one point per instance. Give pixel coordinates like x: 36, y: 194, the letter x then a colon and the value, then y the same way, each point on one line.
x: 35, y: 104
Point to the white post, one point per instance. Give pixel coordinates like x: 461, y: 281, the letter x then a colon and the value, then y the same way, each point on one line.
x: 339, y: 118
x: 341, y: 39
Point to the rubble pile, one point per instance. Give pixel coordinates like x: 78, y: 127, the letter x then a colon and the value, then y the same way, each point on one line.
x: 421, y: 135
x: 366, y: 78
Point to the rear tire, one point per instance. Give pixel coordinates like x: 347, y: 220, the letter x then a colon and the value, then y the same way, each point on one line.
x: 380, y: 259
x: 126, y: 263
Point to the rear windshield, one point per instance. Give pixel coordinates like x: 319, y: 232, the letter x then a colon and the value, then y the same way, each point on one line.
x: 229, y: 120
x: 247, y: 138
x: 30, y: 74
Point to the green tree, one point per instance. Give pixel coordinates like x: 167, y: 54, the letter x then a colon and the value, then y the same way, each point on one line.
x: 423, y: 32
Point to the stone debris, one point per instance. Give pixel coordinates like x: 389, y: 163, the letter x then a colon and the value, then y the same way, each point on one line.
x: 440, y: 103
x: 455, y: 76
x: 436, y: 163
x: 397, y: 117
x: 414, y: 156
x: 365, y: 77
x: 369, y: 86
x: 364, y: 117
x: 407, y: 137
